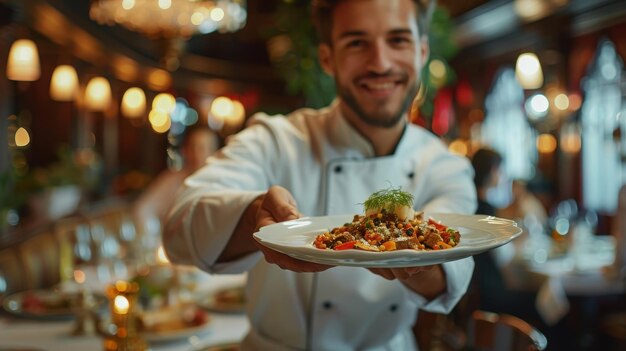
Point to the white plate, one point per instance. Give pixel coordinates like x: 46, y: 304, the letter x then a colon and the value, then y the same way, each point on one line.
x: 175, y: 333
x: 295, y: 238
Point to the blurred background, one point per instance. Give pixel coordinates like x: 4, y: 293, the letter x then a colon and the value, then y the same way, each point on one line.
x: 541, y: 82
x: 96, y: 96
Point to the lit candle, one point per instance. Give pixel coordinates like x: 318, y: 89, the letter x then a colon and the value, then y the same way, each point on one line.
x: 120, y: 305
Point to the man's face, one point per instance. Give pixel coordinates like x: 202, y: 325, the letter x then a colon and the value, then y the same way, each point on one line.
x: 375, y: 57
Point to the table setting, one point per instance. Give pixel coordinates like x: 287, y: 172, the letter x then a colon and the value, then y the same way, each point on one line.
x: 159, y: 307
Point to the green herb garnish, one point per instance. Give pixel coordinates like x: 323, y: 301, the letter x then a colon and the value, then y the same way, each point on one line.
x: 389, y: 199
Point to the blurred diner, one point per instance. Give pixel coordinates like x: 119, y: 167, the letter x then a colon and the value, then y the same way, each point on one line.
x: 138, y: 135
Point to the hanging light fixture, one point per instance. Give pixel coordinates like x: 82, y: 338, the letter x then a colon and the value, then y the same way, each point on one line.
x: 98, y: 94
x: 528, y: 71
x: 168, y: 19
x: 134, y: 103
x: 64, y: 83
x: 23, y: 62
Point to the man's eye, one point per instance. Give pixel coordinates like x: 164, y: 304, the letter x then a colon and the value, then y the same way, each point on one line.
x: 400, y: 40
x: 355, y: 43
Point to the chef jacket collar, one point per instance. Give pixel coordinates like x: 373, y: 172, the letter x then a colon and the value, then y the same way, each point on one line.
x: 344, y: 134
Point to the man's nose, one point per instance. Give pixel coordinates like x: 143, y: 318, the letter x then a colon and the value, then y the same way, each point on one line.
x: 379, y: 58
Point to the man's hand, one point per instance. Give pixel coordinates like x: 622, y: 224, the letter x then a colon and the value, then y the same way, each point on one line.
x: 278, y: 205
x: 428, y: 281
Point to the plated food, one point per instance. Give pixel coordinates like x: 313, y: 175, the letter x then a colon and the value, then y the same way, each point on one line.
x: 46, y: 304
x: 226, y: 300
x: 389, y: 224
x: 173, y: 322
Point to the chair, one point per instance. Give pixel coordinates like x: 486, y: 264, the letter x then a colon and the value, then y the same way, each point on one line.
x: 502, y: 332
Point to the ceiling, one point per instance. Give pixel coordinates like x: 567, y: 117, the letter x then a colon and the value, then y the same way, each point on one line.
x: 242, y: 57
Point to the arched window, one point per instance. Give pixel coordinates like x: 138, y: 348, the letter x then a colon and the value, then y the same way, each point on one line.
x: 601, y: 130
x: 506, y: 128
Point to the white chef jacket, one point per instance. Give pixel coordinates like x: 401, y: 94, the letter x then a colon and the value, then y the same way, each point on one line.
x: 330, y: 169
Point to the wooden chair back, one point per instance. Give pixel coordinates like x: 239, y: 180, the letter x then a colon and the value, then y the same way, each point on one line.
x: 503, y: 332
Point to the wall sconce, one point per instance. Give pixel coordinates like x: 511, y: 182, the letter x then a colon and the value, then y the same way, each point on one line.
x: 64, y: 83
x: 98, y: 94
x: 134, y: 103
x: 23, y: 62
x: 528, y: 71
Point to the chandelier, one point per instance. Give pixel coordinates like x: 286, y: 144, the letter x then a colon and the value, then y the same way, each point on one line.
x: 171, y: 18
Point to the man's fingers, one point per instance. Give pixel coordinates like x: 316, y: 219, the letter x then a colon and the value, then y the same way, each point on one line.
x: 383, y: 272
x: 281, y: 204
x: 286, y: 262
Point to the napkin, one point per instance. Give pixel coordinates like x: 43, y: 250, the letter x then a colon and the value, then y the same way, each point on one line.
x: 552, y: 303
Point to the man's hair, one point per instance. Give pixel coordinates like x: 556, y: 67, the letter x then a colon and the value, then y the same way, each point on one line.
x: 322, y: 15
x: 484, y: 161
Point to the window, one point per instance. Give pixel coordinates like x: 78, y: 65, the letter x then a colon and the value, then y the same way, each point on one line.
x: 602, y: 128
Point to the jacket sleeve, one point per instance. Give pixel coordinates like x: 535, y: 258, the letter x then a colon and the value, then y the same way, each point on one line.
x: 207, y: 209
x: 451, y: 188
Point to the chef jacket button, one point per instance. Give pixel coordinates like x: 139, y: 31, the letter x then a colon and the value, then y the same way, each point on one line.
x: 393, y: 307
x: 411, y: 175
x: 338, y: 169
x: 327, y: 305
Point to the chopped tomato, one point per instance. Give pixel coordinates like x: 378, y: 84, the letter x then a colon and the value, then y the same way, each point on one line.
x: 439, y: 226
x: 346, y: 246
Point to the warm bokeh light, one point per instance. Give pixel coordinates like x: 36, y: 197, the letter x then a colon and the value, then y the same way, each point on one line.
x: 530, y: 9
x: 217, y: 14
x: 458, y: 147
x: 165, y: 4
x: 134, y: 102
x: 437, y: 69
x: 238, y: 116
x: 528, y: 71
x: 159, y: 80
x: 79, y: 276
x: 164, y: 102
x: 21, y: 137
x: 120, y: 304
x: 64, y: 83
x: 161, y: 256
x: 162, y: 128
x: 561, y: 102
x: 197, y: 17
x: 98, y: 94
x: 546, y: 143
x: 125, y: 68
x: 537, y: 106
x: 121, y: 285
x: 23, y: 61
x: 575, y: 101
x: 222, y: 107
x: 570, y: 139
x: 128, y: 4
x: 158, y: 118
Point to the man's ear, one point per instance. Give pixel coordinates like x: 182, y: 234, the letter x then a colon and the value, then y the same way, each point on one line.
x: 324, y: 52
x: 424, y: 49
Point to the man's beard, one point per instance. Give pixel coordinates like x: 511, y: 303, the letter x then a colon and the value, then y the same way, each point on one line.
x: 377, y: 119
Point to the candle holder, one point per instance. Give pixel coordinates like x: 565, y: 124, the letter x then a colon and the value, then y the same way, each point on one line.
x: 87, y: 319
x: 121, y: 334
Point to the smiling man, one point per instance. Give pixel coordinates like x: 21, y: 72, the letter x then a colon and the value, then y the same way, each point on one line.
x: 327, y: 162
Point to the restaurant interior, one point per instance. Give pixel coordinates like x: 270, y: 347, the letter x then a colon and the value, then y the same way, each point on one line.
x: 96, y: 98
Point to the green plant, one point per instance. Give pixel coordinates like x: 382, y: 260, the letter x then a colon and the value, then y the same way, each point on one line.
x: 296, y: 56
x: 70, y: 168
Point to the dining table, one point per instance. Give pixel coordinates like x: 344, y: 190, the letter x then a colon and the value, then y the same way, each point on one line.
x: 20, y: 333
